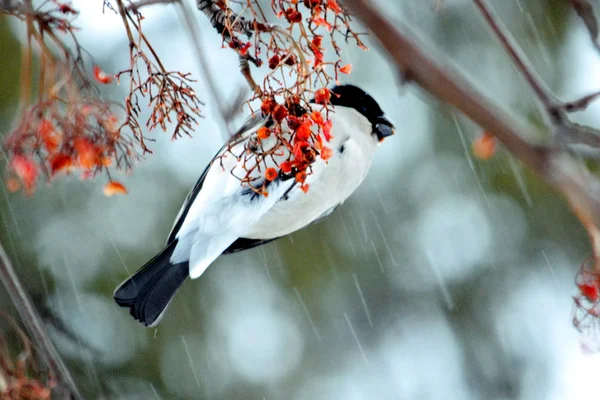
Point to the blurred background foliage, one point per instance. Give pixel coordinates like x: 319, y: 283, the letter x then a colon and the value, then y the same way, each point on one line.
x: 442, y: 277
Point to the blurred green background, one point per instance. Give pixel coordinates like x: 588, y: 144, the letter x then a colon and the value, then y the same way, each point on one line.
x: 443, y: 277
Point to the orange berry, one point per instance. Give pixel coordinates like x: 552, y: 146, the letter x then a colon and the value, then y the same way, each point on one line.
x: 286, y: 167
x: 26, y: 169
x: 12, y: 185
x: 346, y: 69
x: 101, y: 76
x: 484, y: 147
x: 322, y: 96
x: 87, y: 153
x: 303, y: 132
x: 279, y: 113
x: 326, y: 153
x: 113, y: 188
x: 271, y: 174
x: 60, y: 162
x: 263, y: 132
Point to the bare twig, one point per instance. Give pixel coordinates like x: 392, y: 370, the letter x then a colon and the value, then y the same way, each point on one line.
x: 247, y: 74
x: 580, y: 104
x: 136, y: 5
x: 584, y: 9
x: 203, y: 58
x: 550, y: 103
x: 9, y: 5
x: 225, y: 21
x: 34, y: 325
x: 564, y: 132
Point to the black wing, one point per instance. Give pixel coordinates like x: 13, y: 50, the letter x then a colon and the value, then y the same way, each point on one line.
x: 251, y: 124
x: 244, y: 244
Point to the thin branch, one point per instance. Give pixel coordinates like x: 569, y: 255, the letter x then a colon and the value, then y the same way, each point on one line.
x: 580, y: 104
x: 36, y: 329
x: 226, y: 23
x: 564, y: 131
x: 550, y: 103
x: 247, y: 74
x: 10, y: 5
x: 223, y: 19
x: 136, y: 5
x: 186, y: 14
x: 446, y: 84
x: 584, y: 9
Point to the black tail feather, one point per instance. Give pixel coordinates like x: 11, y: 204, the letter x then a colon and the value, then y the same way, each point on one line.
x: 150, y: 290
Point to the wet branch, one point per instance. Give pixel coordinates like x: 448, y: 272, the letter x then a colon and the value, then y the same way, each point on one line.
x: 553, y: 164
x: 227, y: 23
x: 585, y: 11
x: 9, y: 5
x: 66, y: 388
x: 564, y: 132
x: 202, y: 56
x: 135, y: 5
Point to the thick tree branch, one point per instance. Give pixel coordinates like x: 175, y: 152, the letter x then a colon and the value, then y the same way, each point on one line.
x: 45, y: 348
x: 446, y: 84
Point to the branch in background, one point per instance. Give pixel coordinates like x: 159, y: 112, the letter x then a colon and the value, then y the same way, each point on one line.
x: 584, y: 9
x: 227, y: 23
x: 66, y: 388
x: 9, y: 5
x: 170, y: 95
x: 67, y: 125
x: 553, y: 164
x: 223, y: 19
x: 215, y: 14
x: 136, y: 5
x: 202, y: 57
x: 564, y: 132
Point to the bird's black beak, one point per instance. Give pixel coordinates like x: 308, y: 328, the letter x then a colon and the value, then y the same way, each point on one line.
x: 383, y: 128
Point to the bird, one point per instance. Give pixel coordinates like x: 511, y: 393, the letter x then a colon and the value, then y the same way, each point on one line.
x: 221, y: 215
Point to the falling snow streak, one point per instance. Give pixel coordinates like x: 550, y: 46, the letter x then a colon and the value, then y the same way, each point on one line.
x: 362, y: 299
x: 377, y: 256
x: 442, y: 283
x: 521, y: 182
x: 189, y: 356
x: 362, y: 244
x: 360, y: 348
x: 118, y: 253
x: 349, y: 241
x: 310, y: 320
x: 469, y: 158
x: 387, y: 246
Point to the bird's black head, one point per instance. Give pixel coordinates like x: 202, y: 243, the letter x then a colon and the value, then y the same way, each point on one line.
x: 353, y: 97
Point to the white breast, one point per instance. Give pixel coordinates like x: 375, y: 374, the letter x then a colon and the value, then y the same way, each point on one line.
x: 330, y: 184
